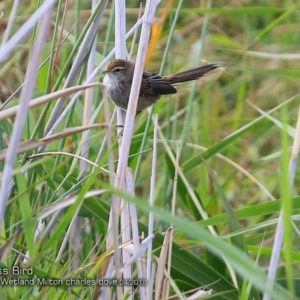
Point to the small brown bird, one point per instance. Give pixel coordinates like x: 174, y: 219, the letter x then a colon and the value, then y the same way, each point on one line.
x: 118, y: 80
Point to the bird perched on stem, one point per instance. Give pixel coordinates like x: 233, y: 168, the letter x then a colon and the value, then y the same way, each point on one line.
x: 118, y: 81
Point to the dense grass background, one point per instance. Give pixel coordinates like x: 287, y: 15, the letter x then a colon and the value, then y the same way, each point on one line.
x: 235, y: 171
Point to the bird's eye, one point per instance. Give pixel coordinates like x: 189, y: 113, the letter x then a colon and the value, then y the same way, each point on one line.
x: 117, y: 70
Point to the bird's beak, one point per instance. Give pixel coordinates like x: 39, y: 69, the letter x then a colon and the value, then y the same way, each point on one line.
x: 104, y: 72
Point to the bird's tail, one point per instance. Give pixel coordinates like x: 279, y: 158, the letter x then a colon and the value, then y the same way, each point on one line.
x: 190, y: 74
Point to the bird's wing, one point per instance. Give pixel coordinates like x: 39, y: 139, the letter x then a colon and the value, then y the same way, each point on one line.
x: 155, y: 84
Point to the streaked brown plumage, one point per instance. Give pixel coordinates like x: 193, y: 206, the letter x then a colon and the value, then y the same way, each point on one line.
x: 119, y: 76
